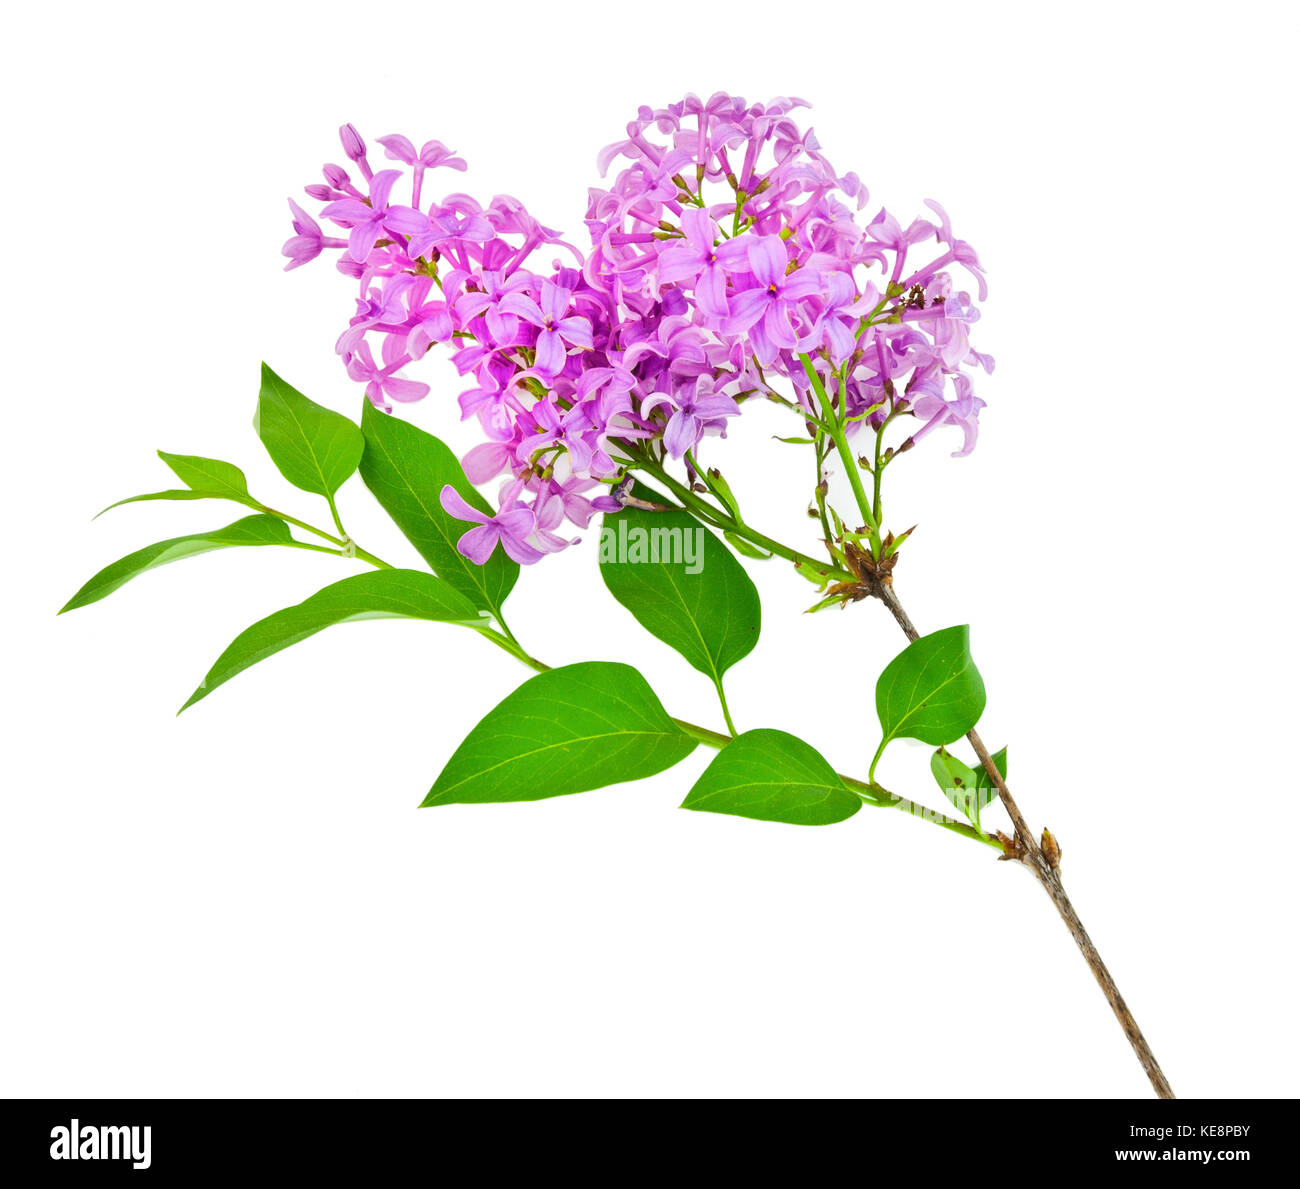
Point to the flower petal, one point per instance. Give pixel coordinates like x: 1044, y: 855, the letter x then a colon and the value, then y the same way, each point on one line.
x: 478, y: 543
x: 768, y: 258
x: 456, y: 507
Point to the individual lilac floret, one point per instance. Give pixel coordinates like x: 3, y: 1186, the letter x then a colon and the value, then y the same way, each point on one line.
x: 366, y: 219
x: 382, y: 382
x: 702, y: 262
x: 558, y: 329
x: 695, y: 409
x: 962, y: 412
x: 432, y: 154
x: 768, y: 305
x: 307, y: 241
x: 512, y: 526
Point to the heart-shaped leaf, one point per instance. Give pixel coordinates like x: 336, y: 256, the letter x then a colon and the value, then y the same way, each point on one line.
x: 568, y: 730
x: 773, y: 777
x: 385, y: 594
x: 930, y: 691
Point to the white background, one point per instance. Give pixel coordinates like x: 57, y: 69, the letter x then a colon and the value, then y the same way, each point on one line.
x: 245, y: 900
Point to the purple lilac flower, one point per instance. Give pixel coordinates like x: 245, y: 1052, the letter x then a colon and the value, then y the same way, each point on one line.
x: 558, y: 329
x: 702, y: 262
x: 432, y: 154
x: 768, y: 308
x: 723, y: 247
x: 307, y: 241
x: 381, y: 382
x: 695, y: 408
x: 511, y: 526
x: 963, y: 412
x: 366, y: 219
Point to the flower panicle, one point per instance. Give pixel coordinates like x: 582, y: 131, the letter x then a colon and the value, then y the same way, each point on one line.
x: 724, y: 248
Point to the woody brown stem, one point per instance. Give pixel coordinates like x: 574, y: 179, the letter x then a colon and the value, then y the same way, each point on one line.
x: 1027, y: 851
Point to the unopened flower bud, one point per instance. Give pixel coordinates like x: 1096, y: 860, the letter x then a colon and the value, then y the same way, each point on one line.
x: 353, y: 145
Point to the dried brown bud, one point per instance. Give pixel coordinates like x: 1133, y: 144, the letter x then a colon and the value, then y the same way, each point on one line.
x: 1051, y: 849
x: 848, y: 592
x: 1011, y: 848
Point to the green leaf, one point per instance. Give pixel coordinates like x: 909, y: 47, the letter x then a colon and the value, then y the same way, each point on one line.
x: 718, y: 484
x: 205, y: 479
x: 819, y: 576
x: 825, y: 604
x: 930, y: 691
x: 969, y: 789
x: 682, y: 585
x: 410, y: 594
x: 564, y: 731
x: 773, y: 777
x: 252, y: 530
x: 960, y: 785
x: 406, y: 470
x: 953, y: 776
x: 745, y: 548
x: 176, y: 494
x: 313, y: 447
x: 208, y: 475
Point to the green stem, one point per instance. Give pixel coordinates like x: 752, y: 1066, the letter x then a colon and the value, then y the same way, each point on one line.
x: 878, y: 471
x: 366, y: 556
x: 836, y: 429
x: 311, y: 528
x: 726, y: 710
x: 505, y: 629
x: 313, y: 548
x: 514, y: 648
x: 876, y: 795
x: 334, y: 512
x: 715, y: 739
x: 875, y: 759
x: 819, y: 494
x: 343, y: 542
x: 719, y: 520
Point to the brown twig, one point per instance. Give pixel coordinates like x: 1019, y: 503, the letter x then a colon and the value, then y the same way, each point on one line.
x: 1043, y: 861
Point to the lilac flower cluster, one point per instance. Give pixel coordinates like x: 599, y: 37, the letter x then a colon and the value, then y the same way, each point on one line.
x: 726, y: 248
